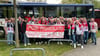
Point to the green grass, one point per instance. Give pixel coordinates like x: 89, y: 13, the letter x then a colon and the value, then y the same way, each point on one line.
x: 98, y: 34
x: 51, y: 50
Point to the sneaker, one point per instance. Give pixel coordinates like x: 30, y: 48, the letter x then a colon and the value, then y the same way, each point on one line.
x: 36, y: 43
x: 46, y: 42
x: 78, y: 44
x: 74, y: 45
x: 25, y: 45
x: 82, y: 47
x: 29, y: 43
x: 95, y: 43
x: 61, y: 43
x: 40, y: 43
x: 58, y: 43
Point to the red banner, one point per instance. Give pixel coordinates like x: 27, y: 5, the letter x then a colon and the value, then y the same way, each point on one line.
x: 45, y: 31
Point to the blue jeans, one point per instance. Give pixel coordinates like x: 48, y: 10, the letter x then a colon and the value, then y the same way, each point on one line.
x: 26, y: 40
x: 86, y: 34
x: 10, y: 38
x: 93, y: 35
x: 73, y: 38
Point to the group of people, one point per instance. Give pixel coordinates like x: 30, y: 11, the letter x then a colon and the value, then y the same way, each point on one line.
x: 77, y: 30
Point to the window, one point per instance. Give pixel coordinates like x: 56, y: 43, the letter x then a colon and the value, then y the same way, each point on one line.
x: 67, y: 11
x: 21, y: 12
x: 84, y: 12
x: 36, y: 11
x: 3, y: 12
x: 80, y: 11
x: 10, y: 12
x: 51, y: 11
x: 97, y: 14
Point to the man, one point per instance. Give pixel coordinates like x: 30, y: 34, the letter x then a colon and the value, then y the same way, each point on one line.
x: 32, y: 20
x: 51, y: 22
x: 93, y: 30
x: 79, y: 33
x: 19, y: 28
x: 86, y: 34
x: 23, y: 34
x: 10, y: 31
x: 73, y: 33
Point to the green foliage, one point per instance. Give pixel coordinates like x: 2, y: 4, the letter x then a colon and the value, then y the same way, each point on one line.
x: 71, y: 1
x: 78, y: 1
x: 96, y: 4
x: 98, y: 34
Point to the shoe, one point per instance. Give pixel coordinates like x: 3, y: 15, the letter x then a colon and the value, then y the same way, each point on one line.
x: 61, y: 43
x: 58, y: 43
x: 95, y: 43
x: 40, y: 43
x: 29, y: 43
x: 36, y: 43
x: 78, y: 44
x: 82, y: 47
x: 45, y: 42
x: 25, y: 45
x: 74, y: 45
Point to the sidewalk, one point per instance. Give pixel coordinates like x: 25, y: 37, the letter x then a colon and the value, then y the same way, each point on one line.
x: 89, y: 50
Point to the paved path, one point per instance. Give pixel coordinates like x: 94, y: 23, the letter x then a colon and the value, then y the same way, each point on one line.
x: 89, y: 50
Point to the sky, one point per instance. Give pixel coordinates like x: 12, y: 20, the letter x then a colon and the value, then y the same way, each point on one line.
x: 54, y: 1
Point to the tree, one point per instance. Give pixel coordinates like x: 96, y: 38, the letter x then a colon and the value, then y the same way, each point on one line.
x: 71, y: 1
x: 78, y: 1
x: 96, y: 4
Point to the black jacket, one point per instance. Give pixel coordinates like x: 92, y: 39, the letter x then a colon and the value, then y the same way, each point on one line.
x: 23, y: 27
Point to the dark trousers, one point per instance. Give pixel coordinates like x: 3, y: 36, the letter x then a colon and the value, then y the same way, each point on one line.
x: 22, y: 37
x: 80, y: 39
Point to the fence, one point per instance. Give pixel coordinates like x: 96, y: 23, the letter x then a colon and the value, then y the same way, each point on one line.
x: 27, y: 49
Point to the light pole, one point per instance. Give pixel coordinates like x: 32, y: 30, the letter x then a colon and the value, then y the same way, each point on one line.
x: 16, y: 24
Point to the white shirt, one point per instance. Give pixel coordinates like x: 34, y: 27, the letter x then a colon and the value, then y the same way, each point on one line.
x: 93, y: 26
x: 10, y: 28
x: 85, y: 26
x: 79, y: 29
